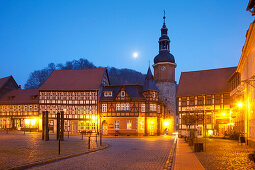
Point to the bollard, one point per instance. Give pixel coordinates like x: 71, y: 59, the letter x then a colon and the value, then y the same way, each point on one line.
x: 100, y: 139
x: 81, y: 136
x: 68, y: 134
x: 89, y: 143
x: 96, y: 138
x: 59, y: 146
x: 24, y: 131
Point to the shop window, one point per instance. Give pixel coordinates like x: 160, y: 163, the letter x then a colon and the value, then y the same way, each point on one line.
x: 129, y: 124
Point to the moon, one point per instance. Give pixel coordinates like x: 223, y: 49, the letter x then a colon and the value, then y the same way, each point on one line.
x: 135, y: 54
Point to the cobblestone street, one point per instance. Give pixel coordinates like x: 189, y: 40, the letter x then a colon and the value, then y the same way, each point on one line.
x: 124, y: 153
x: 17, y: 149
x: 225, y: 154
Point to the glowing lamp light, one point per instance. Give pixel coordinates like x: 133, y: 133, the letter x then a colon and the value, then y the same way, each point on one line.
x: 166, y: 123
x: 151, y: 122
x: 223, y: 114
x: 240, y: 104
x: 210, y: 132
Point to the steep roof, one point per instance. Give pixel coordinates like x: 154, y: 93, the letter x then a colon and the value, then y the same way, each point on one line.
x: 134, y: 91
x: 204, y: 82
x: 149, y: 83
x: 19, y: 96
x: 83, y: 79
x: 4, y: 80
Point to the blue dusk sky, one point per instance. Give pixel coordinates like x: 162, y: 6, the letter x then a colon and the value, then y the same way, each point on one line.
x: 204, y: 34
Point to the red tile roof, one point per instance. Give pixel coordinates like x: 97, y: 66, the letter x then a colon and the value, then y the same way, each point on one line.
x: 83, y: 79
x: 19, y: 96
x: 204, y: 82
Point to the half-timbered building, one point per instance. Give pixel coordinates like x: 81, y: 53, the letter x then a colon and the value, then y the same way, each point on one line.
x: 204, y: 102
x: 19, y: 110
x: 132, y: 109
x: 76, y: 93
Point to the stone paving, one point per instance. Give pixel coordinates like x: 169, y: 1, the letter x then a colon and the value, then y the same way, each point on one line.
x: 225, y: 154
x: 17, y: 149
x: 124, y: 153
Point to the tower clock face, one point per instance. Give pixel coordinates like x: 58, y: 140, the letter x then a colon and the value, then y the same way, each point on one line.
x: 163, y: 68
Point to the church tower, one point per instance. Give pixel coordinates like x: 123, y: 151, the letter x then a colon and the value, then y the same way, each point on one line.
x: 164, y: 75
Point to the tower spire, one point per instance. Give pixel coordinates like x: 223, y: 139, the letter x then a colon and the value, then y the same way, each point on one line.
x: 164, y: 17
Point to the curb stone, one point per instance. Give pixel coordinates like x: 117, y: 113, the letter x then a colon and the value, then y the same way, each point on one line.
x: 171, y: 158
x: 58, y: 158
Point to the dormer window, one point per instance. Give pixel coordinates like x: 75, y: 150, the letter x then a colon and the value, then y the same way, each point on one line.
x: 108, y: 94
x: 122, y: 93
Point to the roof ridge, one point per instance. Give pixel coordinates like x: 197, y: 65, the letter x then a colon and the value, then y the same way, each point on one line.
x: 210, y: 69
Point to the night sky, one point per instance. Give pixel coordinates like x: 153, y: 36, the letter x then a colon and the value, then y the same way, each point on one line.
x: 203, y: 34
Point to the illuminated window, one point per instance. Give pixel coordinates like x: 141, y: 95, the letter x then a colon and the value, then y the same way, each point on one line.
x: 158, y: 108
x: 122, y: 93
x: 127, y: 106
x: 142, y: 107
x: 104, y: 107
x: 152, y: 107
x: 123, y: 107
x: 108, y: 94
x: 118, y: 107
x: 129, y: 124
x: 116, y: 125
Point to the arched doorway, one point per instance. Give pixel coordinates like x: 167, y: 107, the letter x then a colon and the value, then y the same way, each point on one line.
x: 105, y: 127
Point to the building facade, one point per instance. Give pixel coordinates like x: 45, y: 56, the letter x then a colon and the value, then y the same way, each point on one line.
x: 164, y: 74
x: 243, y: 87
x: 76, y: 92
x: 19, y: 110
x: 132, y: 109
x: 204, y: 103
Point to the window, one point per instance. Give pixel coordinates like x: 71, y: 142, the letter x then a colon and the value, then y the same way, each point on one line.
x: 127, y: 106
x: 122, y: 93
x: 158, y: 108
x: 129, y: 124
x: 108, y: 94
x: 104, y: 107
x: 152, y: 107
x: 118, y: 107
x: 226, y: 98
x: 191, y: 101
x: 123, y: 107
x: 116, y: 125
x: 200, y: 100
x: 153, y: 95
x: 208, y: 100
x: 217, y: 99
x: 142, y: 107
x: 184, y: 101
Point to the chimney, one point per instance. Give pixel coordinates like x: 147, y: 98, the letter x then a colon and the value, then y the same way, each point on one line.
x: 19, y: 87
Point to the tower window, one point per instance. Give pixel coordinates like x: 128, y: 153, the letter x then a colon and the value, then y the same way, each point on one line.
x: 153, y: 95
x: 122, y: 93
